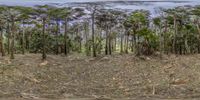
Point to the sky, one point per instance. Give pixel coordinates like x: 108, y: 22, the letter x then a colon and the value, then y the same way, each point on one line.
x: 133, y: 6
x: 28, y: 2
x: 34, y: 2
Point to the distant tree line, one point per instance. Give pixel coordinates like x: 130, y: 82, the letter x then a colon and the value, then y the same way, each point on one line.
x: 52, y: 30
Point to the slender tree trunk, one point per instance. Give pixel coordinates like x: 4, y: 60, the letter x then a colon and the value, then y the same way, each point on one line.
x: 93, y: 36
x: 135, y: 41
x: 106, y: 46
x: 138, y: 46
x: 132, y: 44
x: 109, y: 44
x: 164, y: 44
x: 57, y: 32
x: 127, y: 42
x: 1, y: 43
x: 12, y: 39
x: 175, y: 33
x: 80, y: 41
x: 115, y: 44
x: 23, y: 40
x: 87, y: 46
x: 9, y: 36
x: 161, y: 42
x: 121, y: 45
x: 100, y: 42
x: 80, y: 46
x: 187, y: 46
x: 44, y: 40
x: 198, y: 28
x: 66, y: 39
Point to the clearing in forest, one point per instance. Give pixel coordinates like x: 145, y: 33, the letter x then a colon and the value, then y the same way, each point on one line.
x: 103, y: 78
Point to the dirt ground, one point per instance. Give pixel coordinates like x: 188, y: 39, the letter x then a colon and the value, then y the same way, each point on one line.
x: 118, y: 77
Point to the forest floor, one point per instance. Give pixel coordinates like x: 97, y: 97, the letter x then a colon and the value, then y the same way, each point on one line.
x: 117, y: 77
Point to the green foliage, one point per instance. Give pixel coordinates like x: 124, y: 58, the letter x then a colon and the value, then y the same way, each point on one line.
x: 157, y: 21
x: 88, y: 46
x: 138, y: 17
x: 176, y: 28
x: 36, y: 42
x: 149, y: 36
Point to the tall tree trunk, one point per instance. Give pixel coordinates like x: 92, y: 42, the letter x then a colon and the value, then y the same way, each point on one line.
x: 121, y: 45
x: 23, y: 40
x: 164, y: 43
x: 1, y: 43
x: 8, y: 31
x: 100, y: 42
x: 26, y: 39
x: 109, y: 44
x: 44, y: 40
x: 66, y: 46
x: 175, y: 33
x: 127, y: 42
x: 87, y: 46
x: 80, y: 46
x: 93, y: 35
x: 186, y: 46
x: 57, y: 32
x: 161, y: 42
x: 198, y: 28
x: 138, y: 46
x: 132, y: 43
x: 79, y: 41
x: 135, y: 41
x: 106, y: 46
x: 12, y: 39
x: 115, y: 44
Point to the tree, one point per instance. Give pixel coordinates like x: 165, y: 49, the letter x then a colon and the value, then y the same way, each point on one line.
x: 11, y: 15
x: 2, y: 26
x: 56, y: 14
x: 42, y: 12
x: 196, y: 12
x: 157, y: 22
x: 66, y: 13
x: 24, y: 18
x: 106, y: 20
x: 93, y: 30
x: 135, y: 22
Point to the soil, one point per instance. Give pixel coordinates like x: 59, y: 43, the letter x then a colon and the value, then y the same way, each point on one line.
x: 117, y: 77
